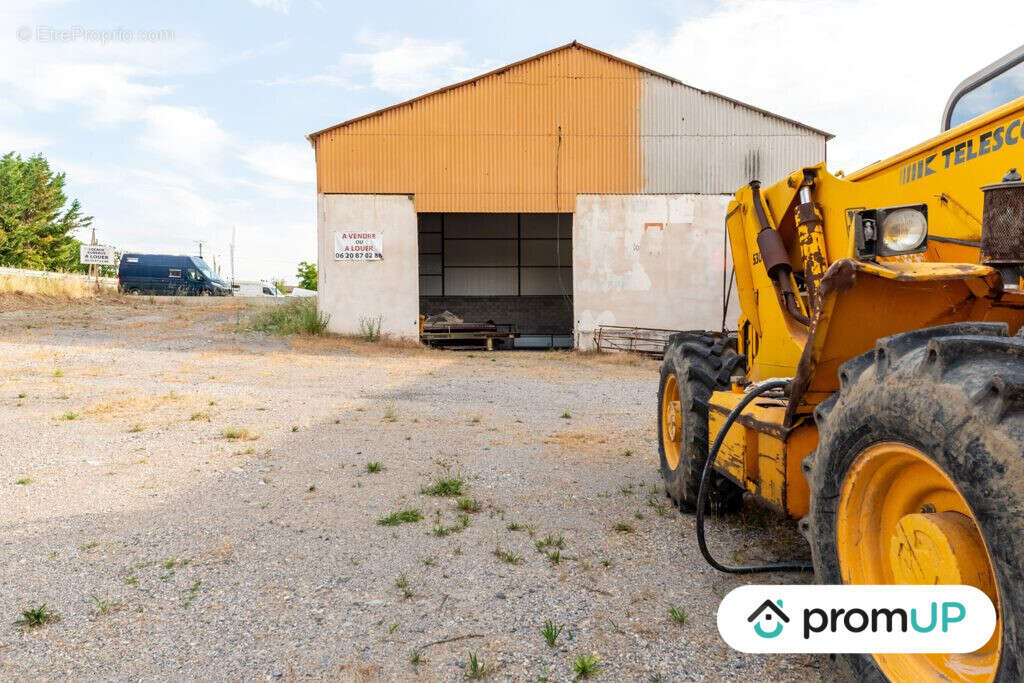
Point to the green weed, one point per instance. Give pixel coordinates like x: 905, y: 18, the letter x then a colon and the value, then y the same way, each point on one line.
x: 446, y: 487
x: 475, y: 668
x: 507, y: 556
x: 401, y: 517
x: 37, y: 616
x: 585, y: 666
x: 294, y: 317
x: 551, y: 632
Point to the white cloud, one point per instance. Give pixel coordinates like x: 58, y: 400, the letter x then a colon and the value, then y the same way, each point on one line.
x: 405, y: 66
x: 876, y: 73
x: 400, y: 66
x: 280, y: 6
x: 183, y: 135
x: 288, y: 162
x: 23, y: 142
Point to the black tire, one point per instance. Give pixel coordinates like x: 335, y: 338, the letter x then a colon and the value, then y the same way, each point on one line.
x: 134, y: 291
x: 702, y: 362
x: 956, y: 393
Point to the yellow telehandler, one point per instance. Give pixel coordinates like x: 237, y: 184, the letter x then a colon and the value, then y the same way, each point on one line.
x: 874, y: 388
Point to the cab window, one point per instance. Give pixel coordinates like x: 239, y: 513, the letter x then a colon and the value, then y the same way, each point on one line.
x: 993, y: 87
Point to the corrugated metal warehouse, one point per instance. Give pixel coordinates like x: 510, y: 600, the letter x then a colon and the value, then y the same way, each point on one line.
x: 560, y: 192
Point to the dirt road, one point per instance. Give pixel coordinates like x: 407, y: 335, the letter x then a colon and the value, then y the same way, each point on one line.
x: 193, y: 501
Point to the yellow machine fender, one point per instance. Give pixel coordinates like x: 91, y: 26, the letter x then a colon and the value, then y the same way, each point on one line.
x: 861, y: 302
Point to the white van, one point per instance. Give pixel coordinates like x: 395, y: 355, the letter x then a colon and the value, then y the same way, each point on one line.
x: 255, y: 288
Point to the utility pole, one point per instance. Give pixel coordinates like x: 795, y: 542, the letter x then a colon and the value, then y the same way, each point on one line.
x: 232, y: 255
x: 94, y: 269
x: 200, y: 243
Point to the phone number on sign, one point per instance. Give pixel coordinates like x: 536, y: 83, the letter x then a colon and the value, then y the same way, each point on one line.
x: 357, y: 256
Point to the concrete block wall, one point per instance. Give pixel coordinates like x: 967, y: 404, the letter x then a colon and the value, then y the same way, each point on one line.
x: 389, y: 288
x: 649, y: 261
x: 530, y: 314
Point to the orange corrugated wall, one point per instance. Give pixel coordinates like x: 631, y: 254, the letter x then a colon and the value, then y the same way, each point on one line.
x: 493, y: 145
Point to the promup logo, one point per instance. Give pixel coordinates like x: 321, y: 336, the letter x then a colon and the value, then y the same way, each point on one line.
x: 764, y: 615
x: 940, y: 619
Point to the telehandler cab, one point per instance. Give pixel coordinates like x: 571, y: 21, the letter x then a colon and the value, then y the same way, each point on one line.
x: 874, y: 389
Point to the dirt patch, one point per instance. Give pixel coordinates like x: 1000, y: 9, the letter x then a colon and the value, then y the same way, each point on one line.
x: 170, y: 541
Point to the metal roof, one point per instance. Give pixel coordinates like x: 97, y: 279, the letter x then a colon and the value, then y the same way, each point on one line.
x: 573, y: 44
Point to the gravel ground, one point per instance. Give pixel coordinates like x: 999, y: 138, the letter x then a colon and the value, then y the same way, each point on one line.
x: 169, y: 550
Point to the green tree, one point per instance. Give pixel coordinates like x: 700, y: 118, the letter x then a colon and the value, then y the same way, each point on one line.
x: 307, y: 275
x: 37, y: 224
x: 280, y: 285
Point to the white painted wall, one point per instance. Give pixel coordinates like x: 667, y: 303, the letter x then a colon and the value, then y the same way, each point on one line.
x: 649, y: 261
x: 350, y: 291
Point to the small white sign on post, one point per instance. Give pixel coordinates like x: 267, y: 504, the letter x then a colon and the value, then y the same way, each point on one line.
x: 96, y: 255
x: 358, y: 245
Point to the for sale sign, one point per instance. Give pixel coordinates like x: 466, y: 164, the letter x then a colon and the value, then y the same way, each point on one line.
x: 358, y: 245
x: 96, y: 254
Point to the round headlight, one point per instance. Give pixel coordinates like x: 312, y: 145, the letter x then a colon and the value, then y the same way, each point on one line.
x: 904, y: 230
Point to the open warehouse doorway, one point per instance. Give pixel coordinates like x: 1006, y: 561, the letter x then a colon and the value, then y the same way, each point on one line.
x: 502, y: 268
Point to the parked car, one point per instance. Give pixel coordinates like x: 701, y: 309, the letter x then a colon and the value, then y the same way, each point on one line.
x: 171, y: 275
x: 255, y: 288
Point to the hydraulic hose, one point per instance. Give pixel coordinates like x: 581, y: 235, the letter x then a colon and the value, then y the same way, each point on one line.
x: 702, y: 491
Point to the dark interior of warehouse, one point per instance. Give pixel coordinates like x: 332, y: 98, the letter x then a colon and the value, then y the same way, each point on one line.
x: 504, y: 269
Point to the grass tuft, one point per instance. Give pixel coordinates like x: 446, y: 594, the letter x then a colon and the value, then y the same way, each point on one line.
x: 105, y: 605
x: 402, y: 584
x: 468, y: 504
x: 238, y: 434
x: 585, y: 666
x: 475, y: 668
x: 507, y: 556
x: 374, y: 467
x: 37, y: 616
x: 407, y: 516
x: 294, y: 317
x: 551, y: 632
x: 190, y: 596
x: 24, y: 481
x: 623, y: 528
x: 446, y: 487
x: 678, y: 614
x: 369, y: 328
x: 549, y: 541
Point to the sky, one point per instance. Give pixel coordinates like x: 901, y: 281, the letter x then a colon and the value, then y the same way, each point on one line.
x: 183, y: 122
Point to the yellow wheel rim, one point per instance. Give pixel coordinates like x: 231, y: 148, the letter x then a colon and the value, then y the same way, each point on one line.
x: 902, y: 520
x: 671, y: 422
